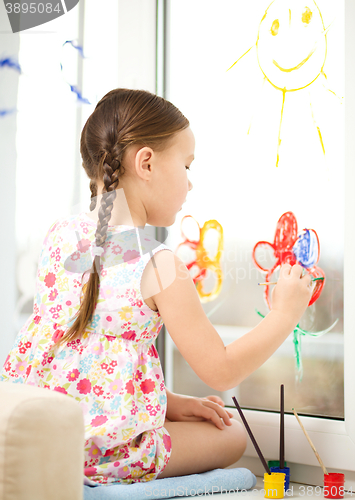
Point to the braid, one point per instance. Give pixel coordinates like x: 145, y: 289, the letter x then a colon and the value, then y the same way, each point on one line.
x: 112, y: 171
x: 93, y: 189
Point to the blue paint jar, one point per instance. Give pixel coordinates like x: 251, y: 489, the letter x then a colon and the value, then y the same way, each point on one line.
x: 285, y: 470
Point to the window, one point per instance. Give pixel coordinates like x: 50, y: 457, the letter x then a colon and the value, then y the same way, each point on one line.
x: 51, y: 181
x: 261, y: 152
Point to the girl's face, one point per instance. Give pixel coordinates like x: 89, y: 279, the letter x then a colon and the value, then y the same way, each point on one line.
x: 169, y: 182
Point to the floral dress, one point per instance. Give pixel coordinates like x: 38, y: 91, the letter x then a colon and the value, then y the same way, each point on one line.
x: 113, y: 371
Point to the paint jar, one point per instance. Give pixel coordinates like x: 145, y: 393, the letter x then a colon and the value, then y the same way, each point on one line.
x: 274, y: 485
x: 275, y: 463
x: 334, y: 485
x: 286, y: 471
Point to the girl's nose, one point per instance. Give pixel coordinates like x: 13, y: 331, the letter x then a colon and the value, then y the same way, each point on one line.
x: 190, y: 185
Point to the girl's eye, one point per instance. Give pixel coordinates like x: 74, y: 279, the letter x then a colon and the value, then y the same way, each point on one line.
x: 188, y: 168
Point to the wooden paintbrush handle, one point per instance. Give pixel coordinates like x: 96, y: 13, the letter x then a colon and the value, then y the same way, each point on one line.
x: 310, y: 442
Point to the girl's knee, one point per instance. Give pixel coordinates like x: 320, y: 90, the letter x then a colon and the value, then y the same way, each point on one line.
x: 238, y: 436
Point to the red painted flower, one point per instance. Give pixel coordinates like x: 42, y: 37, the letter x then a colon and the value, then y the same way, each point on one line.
x: 130, y: 387
x: 73, y: 375
x: 99, y: 420
x: 84, y: 386
x: 147, y: 386
x: 50, y: 280
x: 289, y: 248
x: 37, y: 319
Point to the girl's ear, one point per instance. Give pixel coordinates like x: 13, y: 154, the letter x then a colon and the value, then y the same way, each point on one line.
x: 143, y: 162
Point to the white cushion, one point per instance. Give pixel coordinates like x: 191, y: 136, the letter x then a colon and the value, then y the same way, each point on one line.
x: 41, y: 444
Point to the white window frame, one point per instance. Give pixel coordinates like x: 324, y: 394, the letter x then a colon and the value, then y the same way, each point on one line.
x: 333, y: 439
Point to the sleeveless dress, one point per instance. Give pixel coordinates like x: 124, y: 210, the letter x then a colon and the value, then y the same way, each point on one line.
x: 113, y: 371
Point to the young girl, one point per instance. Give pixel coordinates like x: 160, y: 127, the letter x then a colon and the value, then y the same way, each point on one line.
x: 104, y: 289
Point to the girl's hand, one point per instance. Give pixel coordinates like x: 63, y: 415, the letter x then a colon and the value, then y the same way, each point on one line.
x: 293, y: 292
x: 193, y: 409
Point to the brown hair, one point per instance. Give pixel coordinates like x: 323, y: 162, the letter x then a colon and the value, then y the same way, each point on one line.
x: 121, y: 118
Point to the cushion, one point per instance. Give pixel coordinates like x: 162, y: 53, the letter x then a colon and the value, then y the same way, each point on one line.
x: 214, y: 481
x: 41, y: 444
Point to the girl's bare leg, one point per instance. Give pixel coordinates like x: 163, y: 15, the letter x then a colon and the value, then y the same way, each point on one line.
x: 200, y: 446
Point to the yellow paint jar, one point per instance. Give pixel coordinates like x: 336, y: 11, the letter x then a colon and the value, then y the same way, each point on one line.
x: 274, y: 485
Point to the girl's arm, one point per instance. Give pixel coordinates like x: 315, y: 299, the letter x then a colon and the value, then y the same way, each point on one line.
x: 224, y: 367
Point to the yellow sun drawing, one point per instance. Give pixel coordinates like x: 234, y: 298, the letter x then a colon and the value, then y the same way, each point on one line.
x: 291, y: 49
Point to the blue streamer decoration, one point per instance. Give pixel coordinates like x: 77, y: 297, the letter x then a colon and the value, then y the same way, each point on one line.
x: 10, y: 63
x: 78, y: 47
x: 74, y: 88
x: 4, y: 112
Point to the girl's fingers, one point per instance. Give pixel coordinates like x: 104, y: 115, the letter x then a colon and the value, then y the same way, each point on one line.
x: 307, y: 278
x: 216, y: 413
x: 296, y: 271
x: 285, y: 270
x: 216, y: 399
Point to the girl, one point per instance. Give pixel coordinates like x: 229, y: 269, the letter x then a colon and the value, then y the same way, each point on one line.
x: 93, y: 338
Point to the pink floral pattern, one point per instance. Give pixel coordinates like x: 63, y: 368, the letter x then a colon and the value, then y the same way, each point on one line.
x: 113, y: 371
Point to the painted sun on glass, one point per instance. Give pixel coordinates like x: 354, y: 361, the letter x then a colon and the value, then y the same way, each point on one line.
x: 291, y: 50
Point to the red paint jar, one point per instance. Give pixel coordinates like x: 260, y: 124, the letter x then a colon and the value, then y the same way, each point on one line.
x: 334, y: 485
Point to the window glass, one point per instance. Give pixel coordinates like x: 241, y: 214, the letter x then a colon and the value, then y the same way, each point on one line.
x: 262, y: 151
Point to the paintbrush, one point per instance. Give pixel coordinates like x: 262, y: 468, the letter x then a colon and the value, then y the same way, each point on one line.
x: 253, y: 440
x: 310, y: 442
x: 282, y: 429
x: 275, y: 282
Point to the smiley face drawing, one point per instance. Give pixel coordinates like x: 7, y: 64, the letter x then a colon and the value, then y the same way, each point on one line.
x: 291, y: 45
x: 291, y: 49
